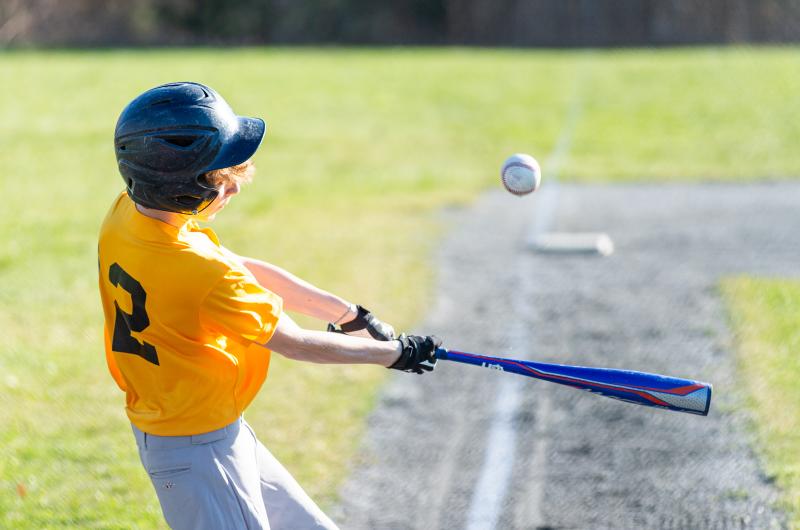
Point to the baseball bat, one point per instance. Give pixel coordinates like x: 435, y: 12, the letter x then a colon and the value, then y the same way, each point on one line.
x: 652, y: 390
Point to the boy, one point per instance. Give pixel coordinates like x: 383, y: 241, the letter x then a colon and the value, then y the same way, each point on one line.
x: 189, y: 325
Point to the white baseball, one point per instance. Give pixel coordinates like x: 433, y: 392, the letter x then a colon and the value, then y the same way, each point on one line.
x: 521, y: 174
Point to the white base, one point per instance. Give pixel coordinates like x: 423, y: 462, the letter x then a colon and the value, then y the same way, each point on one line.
x: 573, y: 243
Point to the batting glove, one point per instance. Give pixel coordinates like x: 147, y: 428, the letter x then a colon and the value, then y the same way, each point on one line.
x: 418, y: 353
x: 365, y: 325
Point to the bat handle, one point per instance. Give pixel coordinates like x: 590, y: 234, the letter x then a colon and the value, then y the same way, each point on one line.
x: 441, y: 353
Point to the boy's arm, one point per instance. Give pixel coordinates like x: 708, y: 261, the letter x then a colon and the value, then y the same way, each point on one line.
x: 299, y: 295
x: 303, y: 297
x: 411, y: 354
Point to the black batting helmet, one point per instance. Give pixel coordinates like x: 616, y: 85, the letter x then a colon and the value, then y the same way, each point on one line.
x: 169, y: 136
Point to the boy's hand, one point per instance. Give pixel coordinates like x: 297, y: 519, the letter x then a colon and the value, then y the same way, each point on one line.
x: 366, y: 325
x: 418, y: 353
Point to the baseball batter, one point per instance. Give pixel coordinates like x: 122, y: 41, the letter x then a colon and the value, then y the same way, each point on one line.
x: 190, y: 325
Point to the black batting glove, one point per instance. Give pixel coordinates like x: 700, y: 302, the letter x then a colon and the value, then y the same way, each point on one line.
x: 365, y: 325
x: 418, y: 353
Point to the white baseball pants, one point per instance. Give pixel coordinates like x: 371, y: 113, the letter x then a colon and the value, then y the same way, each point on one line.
x: 225, y: 479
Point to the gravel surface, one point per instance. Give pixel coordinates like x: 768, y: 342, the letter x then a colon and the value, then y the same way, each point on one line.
x: 583, y: 461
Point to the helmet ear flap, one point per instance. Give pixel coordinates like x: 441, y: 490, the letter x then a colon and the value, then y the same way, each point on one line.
x: 202, y: 180
x: 199, y: 201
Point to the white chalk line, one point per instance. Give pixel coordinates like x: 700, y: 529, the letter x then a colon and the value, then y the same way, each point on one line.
x: 488, y: 498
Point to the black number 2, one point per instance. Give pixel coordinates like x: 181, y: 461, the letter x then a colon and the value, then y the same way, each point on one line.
x: 124, y: 323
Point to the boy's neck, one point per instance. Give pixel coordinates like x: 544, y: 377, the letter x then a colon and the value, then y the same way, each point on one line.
x: 171, y: 218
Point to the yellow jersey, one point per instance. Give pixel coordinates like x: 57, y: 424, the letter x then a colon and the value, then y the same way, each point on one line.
x: 184, y: 323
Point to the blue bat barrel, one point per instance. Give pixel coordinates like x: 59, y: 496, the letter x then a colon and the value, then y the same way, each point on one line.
x: 641, y: 388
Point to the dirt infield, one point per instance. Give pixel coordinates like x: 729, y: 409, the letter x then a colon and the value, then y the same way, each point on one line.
x: 582, y: 461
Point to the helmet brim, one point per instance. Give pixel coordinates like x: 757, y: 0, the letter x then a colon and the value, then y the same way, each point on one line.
x: 242, y: 146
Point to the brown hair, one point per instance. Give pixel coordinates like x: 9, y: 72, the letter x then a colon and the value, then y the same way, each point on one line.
x: 241, y: 174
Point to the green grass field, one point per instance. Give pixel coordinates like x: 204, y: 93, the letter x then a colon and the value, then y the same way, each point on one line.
x: 360, y: 142
x: 766, y: 318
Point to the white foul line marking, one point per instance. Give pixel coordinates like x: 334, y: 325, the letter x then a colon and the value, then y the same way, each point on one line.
x: 498, y: 460
x: 489, y: 495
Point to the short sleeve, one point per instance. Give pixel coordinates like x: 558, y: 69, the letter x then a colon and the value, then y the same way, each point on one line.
x: 241, y: 309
